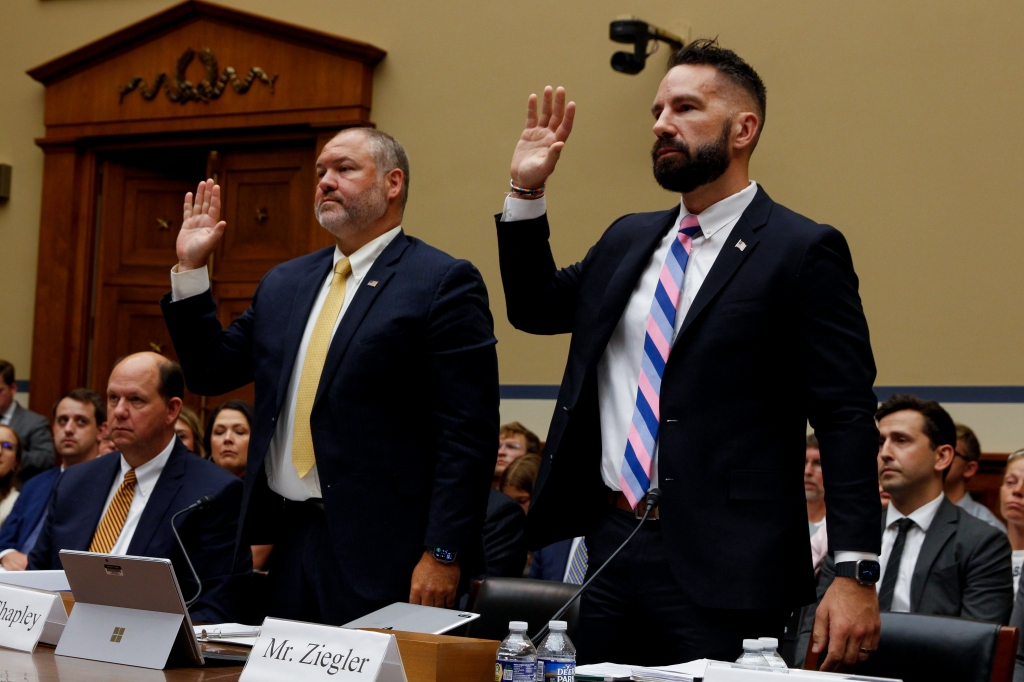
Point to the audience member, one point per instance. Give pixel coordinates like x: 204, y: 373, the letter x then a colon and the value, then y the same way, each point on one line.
x: 10, y: 456
x: 107, y: 446
x: 33, y: 429
x: 964, y: 467
x: 518, y: 479
x: 884, y: 496
x: 936, y: 558
x: 189, y: 431
x: 1011, y: 506
x: 79, y: 424
x: 227, y: 436
x: 503, y: 537
x: 514, y: 441
x: 120, y: 504
x: 563, y: 561
x: 814, y: 486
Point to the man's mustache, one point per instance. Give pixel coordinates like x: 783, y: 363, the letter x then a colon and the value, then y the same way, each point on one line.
x: 674, y: 145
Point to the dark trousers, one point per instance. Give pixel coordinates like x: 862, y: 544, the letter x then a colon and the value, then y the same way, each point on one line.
x: 636, y: 613
x: 305, y: 579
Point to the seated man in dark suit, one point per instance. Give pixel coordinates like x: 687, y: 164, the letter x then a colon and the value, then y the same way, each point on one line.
x: 33, y: 429
x: 936, y: 558
x: 79, y: 424
x: 504, y: 537
x: 121, y: 503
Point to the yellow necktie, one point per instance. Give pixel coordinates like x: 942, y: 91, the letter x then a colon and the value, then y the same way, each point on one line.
x: 313, y: 366
x: 113, y: 521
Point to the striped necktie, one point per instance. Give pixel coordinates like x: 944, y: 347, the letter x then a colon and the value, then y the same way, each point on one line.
x: 113, y: 521
x: 578, y: 564
x: 635, y: 476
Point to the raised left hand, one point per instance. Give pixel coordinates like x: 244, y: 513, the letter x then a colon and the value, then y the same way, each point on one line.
x: 847, y: 620
x: 434, y: 583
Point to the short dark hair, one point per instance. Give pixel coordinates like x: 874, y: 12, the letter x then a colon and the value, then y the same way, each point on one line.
x: 812, y: 441
x: 86, y: 396
x: 938, y: 425
x: 172, y: 381
x: 237, y: 405
x: 707, y: 52
x: 7, y: 372
x: 971, y: 447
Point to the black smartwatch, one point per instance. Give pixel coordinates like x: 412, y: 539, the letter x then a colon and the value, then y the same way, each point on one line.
x: 445, y: 556
x: 866, y: 571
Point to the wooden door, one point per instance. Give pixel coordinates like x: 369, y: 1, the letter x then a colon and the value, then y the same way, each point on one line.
x: 267, y: 198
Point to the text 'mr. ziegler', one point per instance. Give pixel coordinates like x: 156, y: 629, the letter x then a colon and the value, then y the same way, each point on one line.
x: 316, y: 655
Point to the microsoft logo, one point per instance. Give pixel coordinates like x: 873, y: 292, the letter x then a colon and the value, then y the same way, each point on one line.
x: 118, y: 634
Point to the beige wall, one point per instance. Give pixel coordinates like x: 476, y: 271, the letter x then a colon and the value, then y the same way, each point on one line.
x: 896, y: 122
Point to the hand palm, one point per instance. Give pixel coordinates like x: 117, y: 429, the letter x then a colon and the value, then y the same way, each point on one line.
x: 201, y: 227
x: 542, y: 140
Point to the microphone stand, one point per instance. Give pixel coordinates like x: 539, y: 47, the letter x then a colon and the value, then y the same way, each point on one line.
x: 199, y: 585
x: 653, y: 498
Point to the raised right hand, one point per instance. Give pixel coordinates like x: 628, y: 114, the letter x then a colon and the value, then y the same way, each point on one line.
x: 541, y: 144
x: 200, y: 229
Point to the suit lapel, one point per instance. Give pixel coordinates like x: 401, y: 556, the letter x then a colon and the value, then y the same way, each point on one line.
x: 301, y: 306
x: 731, y: 257
x: 626, y: 276
x: 380, y: 272
x: 157, y: 509
x: 942, y: 528
x: 92, y: 508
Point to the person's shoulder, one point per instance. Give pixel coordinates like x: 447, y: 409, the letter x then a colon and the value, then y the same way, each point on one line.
x: 41, y: 483
x: 87, y: 471
x: 209, y: 475
x: 501, y: 505
x: 299, y: 265
x: 974, y: 530
x: 30, y: 418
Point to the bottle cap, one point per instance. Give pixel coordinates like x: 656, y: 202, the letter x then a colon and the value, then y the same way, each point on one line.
x: 523, y: 625
x: 753, y: 644
x: 769, y: 642
x: 558, y: 625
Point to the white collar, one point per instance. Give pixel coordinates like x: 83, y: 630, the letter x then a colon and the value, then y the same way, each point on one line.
x: 9, y: 414
x: 922, y: 516
x: 728, y: 210
x: 365, y: 255
x: 148, y: 474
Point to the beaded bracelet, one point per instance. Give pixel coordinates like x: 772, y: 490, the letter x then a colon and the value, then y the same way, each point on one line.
x: 524, y: 191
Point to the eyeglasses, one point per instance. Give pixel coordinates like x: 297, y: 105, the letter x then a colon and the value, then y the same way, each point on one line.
x: 511, y: 445
x: 7, y: 445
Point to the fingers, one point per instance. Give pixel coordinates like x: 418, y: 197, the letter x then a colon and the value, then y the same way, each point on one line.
x: 188, y: 206
x: 207, y: 196
x: 545, y: 109
x: 565, y: 127
x: 215, y: 202
x: 531, y: 112
x: 819, y: 634
x: 197, y: 206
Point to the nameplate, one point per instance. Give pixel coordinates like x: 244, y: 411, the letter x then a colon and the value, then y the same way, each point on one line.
x: 290, y: 650
x: 23, y: 616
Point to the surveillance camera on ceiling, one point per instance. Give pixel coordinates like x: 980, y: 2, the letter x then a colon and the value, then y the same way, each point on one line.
x: 640, y: 34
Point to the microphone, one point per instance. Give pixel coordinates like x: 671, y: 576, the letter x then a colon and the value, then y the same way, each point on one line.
x: 653, y: 498
x: 198, y: 504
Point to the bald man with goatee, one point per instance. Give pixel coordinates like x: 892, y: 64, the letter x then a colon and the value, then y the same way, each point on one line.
x: 121, y: 503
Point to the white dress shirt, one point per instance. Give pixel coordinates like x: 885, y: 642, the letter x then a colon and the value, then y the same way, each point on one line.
x: 1017, y: 561
x: 146, y: 477
x: 618, y: 370
x: 281, y: 474
x: 8, y: 414
x: 922, y: 518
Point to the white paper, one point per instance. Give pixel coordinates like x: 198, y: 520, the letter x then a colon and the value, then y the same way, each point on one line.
x: 606, y: 670
x: 23, y: 615
x: 221, y: 633
x: 51, y: 581
x: 290, y: 650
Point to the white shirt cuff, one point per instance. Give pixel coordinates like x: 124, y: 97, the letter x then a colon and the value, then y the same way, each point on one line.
x: 523, y: 209
x: 189, y: 283
x: 855, y: 556
x: 6, y: 552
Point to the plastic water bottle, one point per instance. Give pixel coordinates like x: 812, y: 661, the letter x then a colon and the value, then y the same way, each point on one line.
x: 517, y: 658
x: 556, y: 656
x: 771, y: 652
x: 751, y: 654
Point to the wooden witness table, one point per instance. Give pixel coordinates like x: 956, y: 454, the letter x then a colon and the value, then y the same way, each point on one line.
x: 427, y: 658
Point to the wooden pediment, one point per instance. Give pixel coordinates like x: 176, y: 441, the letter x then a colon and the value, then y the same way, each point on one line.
x: 199, y: 66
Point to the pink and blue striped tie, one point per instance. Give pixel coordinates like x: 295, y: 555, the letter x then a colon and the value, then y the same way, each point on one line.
x: 635, y: 477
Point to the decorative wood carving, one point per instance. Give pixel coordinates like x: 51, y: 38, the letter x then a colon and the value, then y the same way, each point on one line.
x: 181, y: 89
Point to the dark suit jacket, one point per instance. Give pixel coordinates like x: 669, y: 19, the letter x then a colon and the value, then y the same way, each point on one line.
x: 775, y: 336
x: 36, y: 442
x: 504, y: 535
x: 1017, y: 621
x: 405, y: 422
x: 963, y: 569
x: 28, y: 509
x: 549, y: 563
x: 76, y: 508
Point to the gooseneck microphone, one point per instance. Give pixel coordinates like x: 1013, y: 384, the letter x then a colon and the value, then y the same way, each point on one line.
x: 198, y: 504
x: 653, y: 498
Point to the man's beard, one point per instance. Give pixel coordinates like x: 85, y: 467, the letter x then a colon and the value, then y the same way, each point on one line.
x: 355, y: 214
x: 692, y: 170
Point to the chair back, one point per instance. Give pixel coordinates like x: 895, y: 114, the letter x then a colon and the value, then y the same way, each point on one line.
x: 919, y: 648
x: 500, y: 600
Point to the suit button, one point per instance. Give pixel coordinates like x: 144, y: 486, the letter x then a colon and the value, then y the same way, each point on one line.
x: 566, y: 408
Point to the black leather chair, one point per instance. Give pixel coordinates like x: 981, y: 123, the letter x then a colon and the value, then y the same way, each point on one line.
x: 500, y: 600
x: 920, y: 648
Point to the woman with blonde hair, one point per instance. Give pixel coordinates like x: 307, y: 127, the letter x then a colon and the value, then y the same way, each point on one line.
x: 190, y: 431
x: 1011, y: 506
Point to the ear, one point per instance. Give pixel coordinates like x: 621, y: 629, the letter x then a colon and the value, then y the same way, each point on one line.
x: 944, y: 457
x: 745, y: 127
x: 970, y: 469
x: 102, y: 432
x: 395, y: 180
x: 173, y: 410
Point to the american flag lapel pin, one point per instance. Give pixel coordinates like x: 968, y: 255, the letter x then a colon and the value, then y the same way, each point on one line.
x: 372, y: 283
x: 741, y: 245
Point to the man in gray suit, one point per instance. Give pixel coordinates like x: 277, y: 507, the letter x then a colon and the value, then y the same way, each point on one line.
x: 33, y: 429
x: 936, y: 558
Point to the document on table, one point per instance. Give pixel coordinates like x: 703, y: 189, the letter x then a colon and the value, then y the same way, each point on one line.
x: 227, y: 633
x: 603, y: 672
x: 51, y: 581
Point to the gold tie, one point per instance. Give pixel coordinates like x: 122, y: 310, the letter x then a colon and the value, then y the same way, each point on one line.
x: 113, y: 521
x: 313, y: 366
